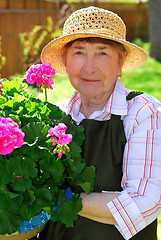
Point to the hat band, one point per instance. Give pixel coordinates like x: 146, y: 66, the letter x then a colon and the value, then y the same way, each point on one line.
x: 102, y: 31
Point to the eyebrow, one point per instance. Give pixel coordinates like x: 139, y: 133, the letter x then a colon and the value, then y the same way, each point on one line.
x: 98, y: 47
x: 101, y: 47
x: 79, y: 47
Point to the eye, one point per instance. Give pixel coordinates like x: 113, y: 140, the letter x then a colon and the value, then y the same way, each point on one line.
x: 103, y: 53
x: 78, y: 53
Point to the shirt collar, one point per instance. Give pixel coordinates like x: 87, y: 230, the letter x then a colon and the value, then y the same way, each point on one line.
x: 116, y: 104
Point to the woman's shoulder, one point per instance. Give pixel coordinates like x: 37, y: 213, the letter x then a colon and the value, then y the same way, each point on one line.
x: 142, y: 111
x: 143, y: 105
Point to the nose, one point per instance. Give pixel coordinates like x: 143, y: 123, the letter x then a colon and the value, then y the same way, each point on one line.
x: 89, y: 64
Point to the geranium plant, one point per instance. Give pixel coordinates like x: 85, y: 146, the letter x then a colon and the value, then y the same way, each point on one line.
x: 40, y: 156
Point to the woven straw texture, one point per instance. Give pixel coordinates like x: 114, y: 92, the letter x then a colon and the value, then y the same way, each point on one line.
x: 92, y: 22
x: 22, y: 236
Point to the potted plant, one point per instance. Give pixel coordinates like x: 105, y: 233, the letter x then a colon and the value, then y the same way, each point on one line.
x: 40, y: 155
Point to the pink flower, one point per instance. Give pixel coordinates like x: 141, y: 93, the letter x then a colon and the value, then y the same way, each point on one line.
x: 6, y: 145
x: 40, y: 74
x: 54, y: 140
x: 10, y: 136
x: 58, y: 130
x: 9, y: 122
x: 18, y: 137
x: 47, y: 70
x: 1, y: 86
x: 54, y: 151
x: 60, y: 154
x: 65, y: 139
x: 3, y: 130
x: 48, y: 81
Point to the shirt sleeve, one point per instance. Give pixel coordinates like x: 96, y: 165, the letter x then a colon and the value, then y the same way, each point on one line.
x: 140, y: 201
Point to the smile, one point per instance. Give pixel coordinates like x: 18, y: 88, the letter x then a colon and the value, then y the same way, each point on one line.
x: 90, y: 80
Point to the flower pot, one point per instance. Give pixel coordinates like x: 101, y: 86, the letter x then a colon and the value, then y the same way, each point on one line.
x: 29, y: 228
x: 22, y: 236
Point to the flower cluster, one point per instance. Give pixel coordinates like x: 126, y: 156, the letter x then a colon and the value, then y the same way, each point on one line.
x: 31, y: 176
x: 60, y: 138
x: 1, y: 86
x: 10, y: 136
x: 41, y: 74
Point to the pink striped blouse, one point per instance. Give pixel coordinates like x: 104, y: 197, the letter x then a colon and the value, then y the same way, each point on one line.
x: 140, y: 201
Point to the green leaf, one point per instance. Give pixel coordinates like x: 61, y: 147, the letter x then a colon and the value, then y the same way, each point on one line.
x: 30, y: 106
x: 67, y: 212
x: 16, y: 83
x: 43, y: 197
x: 35, y: 152
x: 76, y: 166
x: 8, y: 222
x: 35, y: 132
x: 16, y: 99
x: 3, y: 99
x: 55, y: 113
x: 52, y: 167
x: 21, y: 166
x: 10, y: 200
x: 75, y: 149
x: 22, y: 184
x: 29, y: 196
x: 86, y: 179
x: 44, y: 112
x: 15, y: 118
x: 19, y: 170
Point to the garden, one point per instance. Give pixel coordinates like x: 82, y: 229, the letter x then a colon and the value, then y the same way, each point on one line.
x: 145, y: 78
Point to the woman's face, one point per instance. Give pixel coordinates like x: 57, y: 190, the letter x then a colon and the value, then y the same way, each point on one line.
x: 93, y: 68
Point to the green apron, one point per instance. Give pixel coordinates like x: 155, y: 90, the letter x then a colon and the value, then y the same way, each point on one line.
x: 103, y: 147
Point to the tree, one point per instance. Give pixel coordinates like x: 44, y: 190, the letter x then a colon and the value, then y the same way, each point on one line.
x: 155, y: 28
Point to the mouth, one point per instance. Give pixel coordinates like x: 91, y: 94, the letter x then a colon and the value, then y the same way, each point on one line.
x: 90, y: 80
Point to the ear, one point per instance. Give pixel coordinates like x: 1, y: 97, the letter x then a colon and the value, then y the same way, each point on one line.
x: 119, y: 70
x: 63, y: 56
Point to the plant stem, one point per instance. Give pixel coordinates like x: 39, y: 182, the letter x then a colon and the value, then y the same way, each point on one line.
x: 45, y: 94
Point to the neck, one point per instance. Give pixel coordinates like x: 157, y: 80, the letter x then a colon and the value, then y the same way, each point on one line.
x: 89, y: 106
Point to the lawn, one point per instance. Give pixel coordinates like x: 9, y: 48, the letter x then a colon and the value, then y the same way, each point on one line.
x: 146, y: 78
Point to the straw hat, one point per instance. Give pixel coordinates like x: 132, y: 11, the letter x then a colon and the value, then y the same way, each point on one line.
x: 92, y: 22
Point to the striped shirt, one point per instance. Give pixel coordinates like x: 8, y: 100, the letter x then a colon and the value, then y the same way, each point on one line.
x: 140, y: 201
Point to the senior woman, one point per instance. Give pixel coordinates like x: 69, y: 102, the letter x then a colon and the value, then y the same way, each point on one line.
x: 122, y: 129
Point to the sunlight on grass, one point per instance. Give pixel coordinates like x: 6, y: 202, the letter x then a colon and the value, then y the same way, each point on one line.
x: 61, y: 89
x: 159, y: 227
x: 146, y: 78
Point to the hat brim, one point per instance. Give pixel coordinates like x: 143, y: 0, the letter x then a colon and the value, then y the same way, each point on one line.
x: 52, y: 52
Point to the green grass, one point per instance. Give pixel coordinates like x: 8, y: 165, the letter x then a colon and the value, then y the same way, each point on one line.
x: 159, y: 227
x: 61, y: 89
x: 146, y: 78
